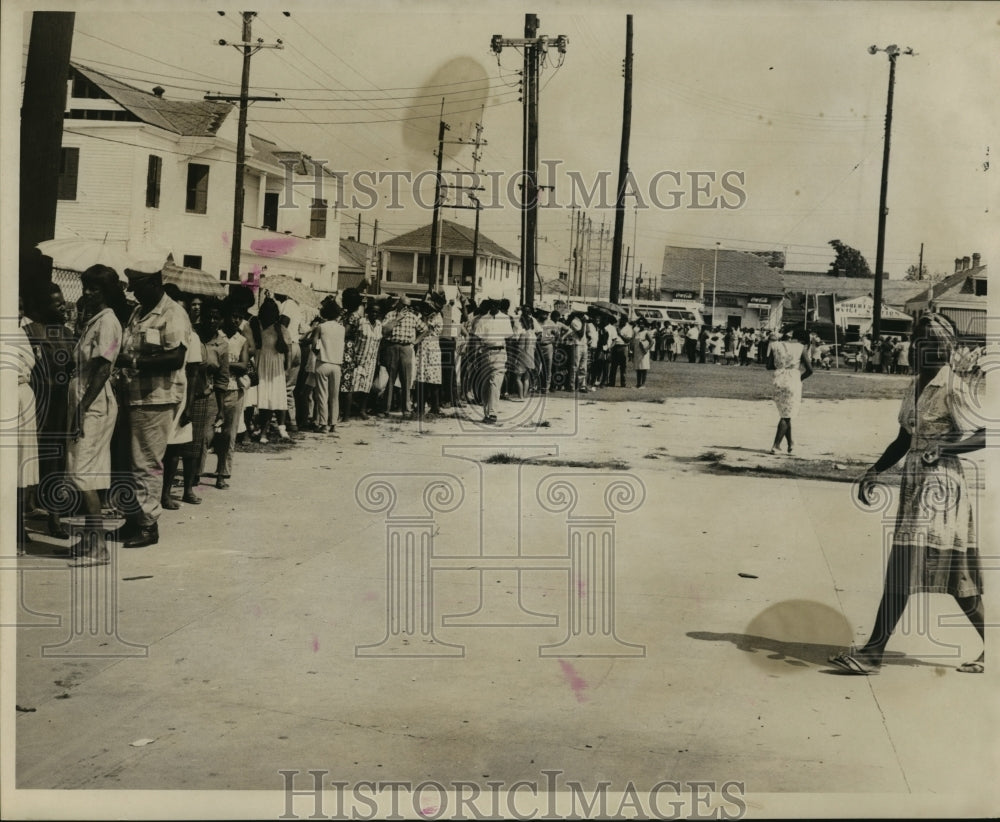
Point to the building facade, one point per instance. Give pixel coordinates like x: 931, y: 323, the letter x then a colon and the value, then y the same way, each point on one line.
x: 406, y: 264
x: 141, y: 168
x: 737, y: 289
x: 962, y: 298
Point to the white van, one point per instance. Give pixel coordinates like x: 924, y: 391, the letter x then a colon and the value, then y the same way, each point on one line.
x: 677, y: 311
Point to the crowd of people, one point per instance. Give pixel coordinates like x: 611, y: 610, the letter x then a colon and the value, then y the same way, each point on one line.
x: 139, y: 394
x: 884, y: 355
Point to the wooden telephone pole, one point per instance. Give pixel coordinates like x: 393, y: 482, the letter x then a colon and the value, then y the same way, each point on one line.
x: 616, y: 245
x: 249, y: 49
x: 535, y: 50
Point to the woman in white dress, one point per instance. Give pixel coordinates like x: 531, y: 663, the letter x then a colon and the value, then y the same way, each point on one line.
x: 271, y: 341
x: 93, y: 407
x: 785, y: 358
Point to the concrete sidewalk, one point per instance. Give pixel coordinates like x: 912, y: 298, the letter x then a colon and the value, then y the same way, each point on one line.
x: 730, y: 593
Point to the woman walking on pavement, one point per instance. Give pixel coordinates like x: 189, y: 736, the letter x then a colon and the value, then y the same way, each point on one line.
x: 934, y: 546
x: 785, y: 357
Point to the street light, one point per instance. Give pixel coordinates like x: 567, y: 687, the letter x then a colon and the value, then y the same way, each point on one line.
x: 893, y: 52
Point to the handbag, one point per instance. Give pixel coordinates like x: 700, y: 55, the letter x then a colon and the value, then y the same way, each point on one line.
x: 381, y: 380
x: 252, y: 373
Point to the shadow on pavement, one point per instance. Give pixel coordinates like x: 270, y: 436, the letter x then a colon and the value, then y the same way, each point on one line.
x: 798, y: 654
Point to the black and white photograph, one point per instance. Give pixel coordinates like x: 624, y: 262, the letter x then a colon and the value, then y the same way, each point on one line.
x: 454, y: 410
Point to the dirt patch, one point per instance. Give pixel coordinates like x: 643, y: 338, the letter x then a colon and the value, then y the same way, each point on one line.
x: 503, y: 458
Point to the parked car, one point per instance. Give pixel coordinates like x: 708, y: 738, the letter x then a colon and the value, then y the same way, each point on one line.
x: 850, y: 353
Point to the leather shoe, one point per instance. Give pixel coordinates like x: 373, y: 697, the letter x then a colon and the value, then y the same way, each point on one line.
x: 169, y: 503
x: 145, y: 537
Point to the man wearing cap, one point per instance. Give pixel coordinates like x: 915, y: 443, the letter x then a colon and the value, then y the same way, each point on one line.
x: 400, y: 329
x: 153, y: 353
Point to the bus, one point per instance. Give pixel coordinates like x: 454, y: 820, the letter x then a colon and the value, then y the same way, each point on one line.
x: 677, y: 311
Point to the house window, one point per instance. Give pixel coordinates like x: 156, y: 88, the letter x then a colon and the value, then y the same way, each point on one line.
x: 192, y: 261
x: 271, y: 211
x: 69, y: 165
x: 317, y: 219
x: 153, y: 171
x: 197, y: 189
x: 980, y: 288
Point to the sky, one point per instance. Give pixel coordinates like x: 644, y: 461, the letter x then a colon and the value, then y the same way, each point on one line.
x: 779, y: 100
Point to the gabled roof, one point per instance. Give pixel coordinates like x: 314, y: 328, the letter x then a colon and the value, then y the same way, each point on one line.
x: 455, y: 239
x: 353, y: 255
x: 894, y: 292
x: 686, y: 269
x: 959, y: 286
x: 189, y: 118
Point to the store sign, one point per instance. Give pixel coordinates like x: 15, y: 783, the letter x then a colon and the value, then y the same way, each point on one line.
x: 760, y: 301
x: 683, y: 295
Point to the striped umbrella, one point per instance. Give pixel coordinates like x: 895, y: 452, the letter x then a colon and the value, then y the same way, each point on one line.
x: 193, y: 280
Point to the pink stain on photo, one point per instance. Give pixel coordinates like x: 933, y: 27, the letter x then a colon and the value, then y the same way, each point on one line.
x: 429, y: 811
x: 112, y: 351
x: 370, y: 596
x: 225, y: 239
x: 274, y: 246
x: 581, y: 588
x: 256, y: 610
x: 576, y: 682
x: 253, y: 280
x: 315, y: 643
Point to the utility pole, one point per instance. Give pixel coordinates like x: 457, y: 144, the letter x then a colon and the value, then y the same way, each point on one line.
x: 435, y: 222
x: 572, y: 250
x: 616, y: 251
x: 535, y: 51
x: 249, y: 49
x: 715, y: 278
x: 893, y: 52
x: 375, y: 255
x: 42, y: 114
x: 600, y: 260
x: 920, y: 265
x: 476, y: 157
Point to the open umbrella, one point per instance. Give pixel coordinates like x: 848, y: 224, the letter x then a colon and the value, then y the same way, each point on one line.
x: 611, y: 308
x: 192, y: 280
x: 79, y: 254
x: 300, y: 292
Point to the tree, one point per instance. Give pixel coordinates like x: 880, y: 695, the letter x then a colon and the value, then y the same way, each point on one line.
x: 923, y: 275
x: 849, y: 262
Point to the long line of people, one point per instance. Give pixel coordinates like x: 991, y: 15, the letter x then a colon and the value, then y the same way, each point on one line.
x: 137, y: 396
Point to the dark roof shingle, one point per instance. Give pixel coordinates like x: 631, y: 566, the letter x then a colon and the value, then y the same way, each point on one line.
x: 189, y: 118
x: 687, y: 269
x: 455, y: 239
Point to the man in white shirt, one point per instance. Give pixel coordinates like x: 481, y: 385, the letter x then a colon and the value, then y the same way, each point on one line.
x: 494, y: 329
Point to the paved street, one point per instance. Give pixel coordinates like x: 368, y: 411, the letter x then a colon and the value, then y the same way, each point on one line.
x: 730, y: 593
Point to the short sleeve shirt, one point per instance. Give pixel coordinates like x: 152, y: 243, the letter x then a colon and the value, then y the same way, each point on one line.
x: 101, y: 340
x: 164, y: 328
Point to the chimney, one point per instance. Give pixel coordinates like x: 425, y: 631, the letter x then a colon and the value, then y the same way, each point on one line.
x: 965, y: 263
x: 958, y: 264
x: 975, y: 259
x: 158, y: 91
